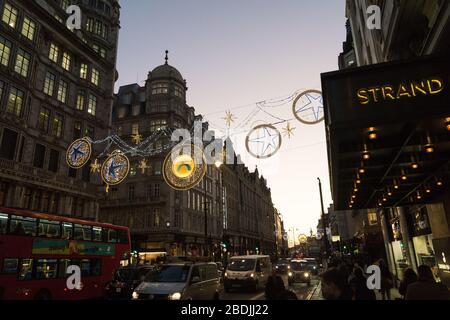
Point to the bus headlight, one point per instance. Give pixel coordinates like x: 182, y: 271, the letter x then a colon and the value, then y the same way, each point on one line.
x: 175, y: 296
x: 135, y: 295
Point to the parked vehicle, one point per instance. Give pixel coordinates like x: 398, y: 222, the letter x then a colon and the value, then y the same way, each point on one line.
x: 300, y: 272
x: 126, y: 280
x: 180, y: 281
x: 247, y: 272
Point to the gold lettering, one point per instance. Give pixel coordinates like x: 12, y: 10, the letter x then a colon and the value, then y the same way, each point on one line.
x: 403, y: 91
x: 374, y: 92
x: 436, y: 89
x: 415, y: 87
x: 387, y: 92
x: 363, y: 96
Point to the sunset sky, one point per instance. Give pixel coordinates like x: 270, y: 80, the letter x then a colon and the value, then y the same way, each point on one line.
x: 235, y: 53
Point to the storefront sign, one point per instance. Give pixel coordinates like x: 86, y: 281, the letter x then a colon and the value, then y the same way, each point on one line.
x: 442, y: 251
x: 404, y: 90
x: 387, y: 93
x: 71, y: 247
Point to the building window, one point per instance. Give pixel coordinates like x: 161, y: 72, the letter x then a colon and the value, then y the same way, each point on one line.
x: 22, y: 63
x: 160, y: 88
x: 66, y: 61
x: 49, y: 83
x: 53, y: 52
x: 5, y: 51
x: 83, y: 71
x: 135, y: 128
x: 372, y: 217
x: 90, y: 24
x: 58, y: 18
x: 101, y: 51
x: 43, y: 121
x: 9, y: 15
x: 179, y: 92
x: 156, y: 190
x: 157, y: 168
x: 15, y: 101
x: 28, y: 28
x: 62, y: 91
x: 157, y: 217
x: 95, y: 77
x: 92, y: 104
x: 131, y: 192
x: 76, y: 130
x: 89, y: 132
x: 8, y: 146
x: 53, y: 162
x: 149, y: 191
x: 80, y: 99
x: 57, y: 125
x: 119, y: 130
x: 39, y: 156
x: 156, y: 125
x: 2, y: 87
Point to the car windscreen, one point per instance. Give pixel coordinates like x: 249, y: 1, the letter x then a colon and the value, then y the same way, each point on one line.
x: 298, y: 266
x: 169, y: 274
x: 242, y: 265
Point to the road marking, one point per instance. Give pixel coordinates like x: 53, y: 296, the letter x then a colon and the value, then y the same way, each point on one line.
x: 258, y: 296
x: 312, y: 292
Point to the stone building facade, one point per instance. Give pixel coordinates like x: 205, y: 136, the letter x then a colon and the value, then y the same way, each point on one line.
x: 56, y: 85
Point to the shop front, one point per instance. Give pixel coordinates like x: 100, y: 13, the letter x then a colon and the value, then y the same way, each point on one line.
x: 388, y: 141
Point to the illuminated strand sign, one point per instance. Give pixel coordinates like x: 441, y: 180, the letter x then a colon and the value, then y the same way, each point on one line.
x: 404, y: 90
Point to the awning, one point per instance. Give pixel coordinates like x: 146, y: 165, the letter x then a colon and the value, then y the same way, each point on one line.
x: 388, y: 132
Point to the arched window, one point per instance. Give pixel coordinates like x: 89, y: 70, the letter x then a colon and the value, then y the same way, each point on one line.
x: 160, y: 88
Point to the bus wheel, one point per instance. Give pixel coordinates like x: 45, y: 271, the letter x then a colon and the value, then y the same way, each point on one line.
x: 43, y: 295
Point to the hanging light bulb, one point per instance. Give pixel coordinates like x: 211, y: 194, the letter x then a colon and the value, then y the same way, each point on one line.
x: 372, y: 133
x: 439, y: 182
x: 429, y: 147
x: 419, y: 195
x: 404, y: 176
x: 384, y: 198
x: 389, y: 192
x: 447, y: 124
x: 355, y: 188
x: 414, y: 163
x: 358, y: 179
x: 427, y: 189
x: 353, y: 197
x: 396, y: 186
x: 365, y: 154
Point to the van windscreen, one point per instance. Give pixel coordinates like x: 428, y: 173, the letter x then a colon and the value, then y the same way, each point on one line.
x: 242, y: 265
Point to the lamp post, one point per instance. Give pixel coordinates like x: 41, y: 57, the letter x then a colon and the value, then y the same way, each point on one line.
x: 325, y: 237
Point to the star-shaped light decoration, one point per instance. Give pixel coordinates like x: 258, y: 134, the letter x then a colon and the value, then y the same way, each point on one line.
x: 95, y: 167
x: 288, y: 131
x: 263, y: 141
x: 143, y: 166
x: 229, y: 118
x: 136, y: 138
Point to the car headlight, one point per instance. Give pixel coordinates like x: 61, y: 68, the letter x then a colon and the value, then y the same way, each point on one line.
x: 314, y: 267
x: 226, y: 274
x: 289, y: 267
x: 135, y: 295
x: 252, y: 275
x: 276, y: 267
x: 175, y: 296
x: 290, y: 274
x: 306, y: 274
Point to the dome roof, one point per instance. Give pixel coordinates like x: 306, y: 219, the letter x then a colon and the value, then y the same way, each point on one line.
x: 166, y: 71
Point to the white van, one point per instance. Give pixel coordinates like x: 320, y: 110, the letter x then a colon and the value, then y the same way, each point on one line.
x: 247, y: 272
x: 181, y: 281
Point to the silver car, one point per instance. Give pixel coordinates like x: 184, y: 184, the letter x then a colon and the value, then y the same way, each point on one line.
x: 181, y: 281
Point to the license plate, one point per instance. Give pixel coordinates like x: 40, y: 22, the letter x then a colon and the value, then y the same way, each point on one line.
x: 118, y: 290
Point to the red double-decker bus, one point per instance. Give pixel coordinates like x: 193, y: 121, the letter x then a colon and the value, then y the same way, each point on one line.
x: 36, y: 250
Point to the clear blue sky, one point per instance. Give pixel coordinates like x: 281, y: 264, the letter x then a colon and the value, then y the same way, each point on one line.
x: 237, y: 52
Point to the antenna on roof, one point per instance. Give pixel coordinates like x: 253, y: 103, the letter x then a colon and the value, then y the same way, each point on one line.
x: 167, y: 56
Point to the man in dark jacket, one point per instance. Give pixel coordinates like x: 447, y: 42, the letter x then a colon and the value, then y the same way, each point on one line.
x: 275, y: 288
x: 426, y: 288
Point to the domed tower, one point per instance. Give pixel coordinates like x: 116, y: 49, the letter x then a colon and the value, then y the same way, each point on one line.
x: 166, y: 96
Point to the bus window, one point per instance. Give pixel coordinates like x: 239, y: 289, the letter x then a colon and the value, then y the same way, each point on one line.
x: 83, y: 232
x: 67, y: 230
x: 46, y: 268
x: 109, y: 235
x: 62, y: 268
x: 49, y: 229
x: 96, y: 267
x: 97, y: 233
x: 10, y: 265
x: 25, y: 269
x: 122, y: 236
x: 22, y: 226
x: 84, y: 265
x: 3, y: 222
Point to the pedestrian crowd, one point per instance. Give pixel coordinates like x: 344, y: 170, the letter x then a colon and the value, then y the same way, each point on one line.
x: 347, y: 280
